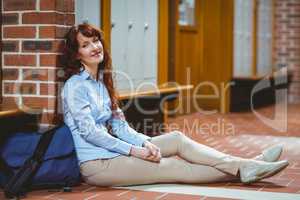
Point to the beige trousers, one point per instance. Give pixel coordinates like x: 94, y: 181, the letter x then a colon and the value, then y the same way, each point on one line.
x: 199, y: 164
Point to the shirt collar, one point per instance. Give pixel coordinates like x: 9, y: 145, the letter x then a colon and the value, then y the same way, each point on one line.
x: 86, y: 75
x: 83, y: 73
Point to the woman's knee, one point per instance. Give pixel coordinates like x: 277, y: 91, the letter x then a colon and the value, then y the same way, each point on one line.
x: 177, y: 133
x: 178, y: 136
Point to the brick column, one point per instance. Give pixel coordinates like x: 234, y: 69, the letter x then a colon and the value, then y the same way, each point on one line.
x: 32, y: 36
x: 287, y: 42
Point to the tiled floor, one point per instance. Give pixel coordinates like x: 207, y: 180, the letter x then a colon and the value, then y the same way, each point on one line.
x: 248, y: 138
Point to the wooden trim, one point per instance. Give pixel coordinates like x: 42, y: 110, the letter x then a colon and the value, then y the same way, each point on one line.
x: 201, y: 22
x: 172, y: 38
x: 227, y: 44
x: 163, y: 38
x: 10, y: 113
x: 177, y: 42
x: 162, y: 46
x: 188, y: 28
x: 106, y: 21
x: 249, y: 77
x: 254, y: 42
x: 164, y: 89
x: 15, y: 112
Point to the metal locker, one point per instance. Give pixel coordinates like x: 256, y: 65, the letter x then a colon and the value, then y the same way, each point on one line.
x: 134, y: 41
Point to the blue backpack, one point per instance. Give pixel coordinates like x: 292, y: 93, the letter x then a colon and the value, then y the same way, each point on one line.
x: 39, y: 160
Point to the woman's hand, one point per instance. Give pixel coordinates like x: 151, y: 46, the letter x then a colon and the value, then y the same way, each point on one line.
x: 154, y: 150
x: 145, y: 153
x: 140, y: 152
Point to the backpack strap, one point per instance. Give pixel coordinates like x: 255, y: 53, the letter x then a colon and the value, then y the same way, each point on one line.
x: 43, y: 144
x: 5, y: 168
x: 16, y: 184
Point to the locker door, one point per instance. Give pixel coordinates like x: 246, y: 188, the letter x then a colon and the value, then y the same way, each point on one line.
x: 248, y: 40
x: 150, y: 41
x: 264, y: 50
x: 243, y: 38
x: 87, y: 11
x: 135, y: 40
x: 119, y: 35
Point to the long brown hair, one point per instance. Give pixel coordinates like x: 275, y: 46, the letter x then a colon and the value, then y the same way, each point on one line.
x: 73, y: 64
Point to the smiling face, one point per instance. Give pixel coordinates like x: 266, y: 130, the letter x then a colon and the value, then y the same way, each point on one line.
x: 90, y: 50
x: 85, y: 47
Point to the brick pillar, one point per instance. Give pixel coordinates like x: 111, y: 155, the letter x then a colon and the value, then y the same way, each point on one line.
x: 287, y: 42
x: 32, y: 36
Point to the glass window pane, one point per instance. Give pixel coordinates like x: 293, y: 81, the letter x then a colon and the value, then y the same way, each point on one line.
x: 186, y: 12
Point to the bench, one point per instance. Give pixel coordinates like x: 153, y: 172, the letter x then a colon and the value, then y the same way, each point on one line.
x: 16, y: 120
x: 147, y: 99
x: 144, y: 108
x: 240, y: 91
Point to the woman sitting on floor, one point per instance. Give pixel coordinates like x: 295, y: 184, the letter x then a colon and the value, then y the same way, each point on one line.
x: 123, y: 156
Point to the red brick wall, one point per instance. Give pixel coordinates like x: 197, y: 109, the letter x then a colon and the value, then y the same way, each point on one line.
x: 32, y: 35
x: 287, y: 42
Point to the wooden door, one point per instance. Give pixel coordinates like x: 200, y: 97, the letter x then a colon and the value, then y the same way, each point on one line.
x: 203, y: 55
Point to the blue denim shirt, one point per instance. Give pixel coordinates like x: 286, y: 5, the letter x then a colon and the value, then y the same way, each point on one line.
x: 87, y: 112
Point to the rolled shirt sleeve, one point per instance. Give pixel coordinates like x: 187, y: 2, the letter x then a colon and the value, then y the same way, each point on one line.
x: 122, y: 130
x: 76, y: 98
